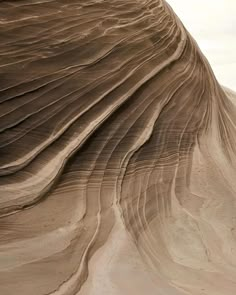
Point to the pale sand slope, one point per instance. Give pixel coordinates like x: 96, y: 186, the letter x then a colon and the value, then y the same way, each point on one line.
x: 117, y: 153
x: 117, y: 268
x: 199, y: 236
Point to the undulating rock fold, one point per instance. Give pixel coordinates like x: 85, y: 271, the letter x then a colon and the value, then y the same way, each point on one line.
x: 117, y: 153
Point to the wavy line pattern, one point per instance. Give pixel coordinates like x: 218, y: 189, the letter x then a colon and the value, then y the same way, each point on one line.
x: 110, y: 116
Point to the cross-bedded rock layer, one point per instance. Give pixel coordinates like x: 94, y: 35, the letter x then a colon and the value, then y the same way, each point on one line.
x: 111, y: 117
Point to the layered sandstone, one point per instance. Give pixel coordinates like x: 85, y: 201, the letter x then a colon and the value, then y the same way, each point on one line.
x: 117, y: 150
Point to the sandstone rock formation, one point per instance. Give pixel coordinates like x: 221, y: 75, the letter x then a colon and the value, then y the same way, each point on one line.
x: 117, y: 153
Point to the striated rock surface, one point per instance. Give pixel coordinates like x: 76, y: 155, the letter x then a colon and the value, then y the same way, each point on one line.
x: 117, y: 153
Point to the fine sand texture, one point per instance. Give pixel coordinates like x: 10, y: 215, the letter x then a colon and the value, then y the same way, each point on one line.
x: 117, y: 153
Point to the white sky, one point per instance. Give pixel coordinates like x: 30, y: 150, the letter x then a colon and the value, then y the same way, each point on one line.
x: 213, y: 25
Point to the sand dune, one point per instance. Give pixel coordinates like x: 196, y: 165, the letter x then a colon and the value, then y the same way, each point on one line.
x: 118, y: 153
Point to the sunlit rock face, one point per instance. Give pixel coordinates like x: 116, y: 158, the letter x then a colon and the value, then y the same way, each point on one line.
x: 212, y: 23
x: 117, y: 153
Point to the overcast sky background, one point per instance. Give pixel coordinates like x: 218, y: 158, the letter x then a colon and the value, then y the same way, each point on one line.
x: 213, y: 25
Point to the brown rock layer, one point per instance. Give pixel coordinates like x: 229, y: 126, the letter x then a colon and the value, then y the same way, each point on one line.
x: 110, y: 114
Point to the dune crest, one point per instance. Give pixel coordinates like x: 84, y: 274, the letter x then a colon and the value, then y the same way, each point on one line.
x: 118, y: 153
